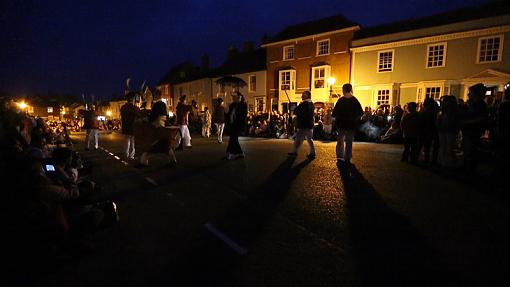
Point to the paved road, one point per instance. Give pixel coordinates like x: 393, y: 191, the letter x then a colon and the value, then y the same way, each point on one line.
x: 270, y: 220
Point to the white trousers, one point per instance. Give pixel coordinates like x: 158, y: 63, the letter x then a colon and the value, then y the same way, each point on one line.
x: 206, y: 130
x: 92, y: 134
x: 129, y: 146
x: 186, y: 137
x: 301, y: 135
x: 219, y: 128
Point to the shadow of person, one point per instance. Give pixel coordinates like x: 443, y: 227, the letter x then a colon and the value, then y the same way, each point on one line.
x: 242, y: 224
x: 387, y: 250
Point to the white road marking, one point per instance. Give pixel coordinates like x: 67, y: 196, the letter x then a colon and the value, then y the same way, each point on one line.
x: 152, y: 181
x: 116, y: 157
x: 237, y: 248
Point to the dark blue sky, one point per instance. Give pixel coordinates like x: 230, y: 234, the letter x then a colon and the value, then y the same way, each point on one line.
x: 92, y: 46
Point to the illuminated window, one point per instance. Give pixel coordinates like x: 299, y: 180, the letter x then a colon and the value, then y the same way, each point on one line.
x: 259, y: 104
x: 319, y: 76
x: 490, y: 49
x: 433, y: 92
x: 50, y: 110
x: 287, y: 80
x: 383, y: 97
x: 436, y: 55
x: 385, y: 61
x: 253, y: 83
x: 323, y: 47
x: 288, y: 52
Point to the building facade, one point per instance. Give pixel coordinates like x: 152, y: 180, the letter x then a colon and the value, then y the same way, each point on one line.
x: 311, y: 56
x: 441, y: 56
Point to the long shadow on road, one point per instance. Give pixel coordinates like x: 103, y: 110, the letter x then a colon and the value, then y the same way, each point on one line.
x: 387, y: 250
x: 208, y: 261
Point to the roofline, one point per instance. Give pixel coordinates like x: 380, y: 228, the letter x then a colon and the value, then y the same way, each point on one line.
x: 432, y: 39
x: 352, y: 28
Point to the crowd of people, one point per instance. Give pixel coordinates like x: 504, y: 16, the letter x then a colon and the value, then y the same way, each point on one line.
x: 49, y: 197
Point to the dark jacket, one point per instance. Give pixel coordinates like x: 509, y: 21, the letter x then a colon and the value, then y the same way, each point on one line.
x: 182, y: 111
x: 410, y: 125
x: 218, y: 116
x: 236, y: 117
x: 90, y: 120
x: 158, y: 109
x: 347, y: 113
x: 304, y: 114
x: 128, y: 113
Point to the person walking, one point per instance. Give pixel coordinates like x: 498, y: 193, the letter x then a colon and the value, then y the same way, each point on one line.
x: 128, y: 114
x: 218, y: 118
x: 304, y: 125
x: 183, y: 110
x: 347, y: 114
x: 91, y: 125
x: 236, y: 116
x: 206, y: 123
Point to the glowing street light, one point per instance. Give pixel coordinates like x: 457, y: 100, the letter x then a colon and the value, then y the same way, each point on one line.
x: 109, y: 113
x: 331, y: 82
x: 22, y: 105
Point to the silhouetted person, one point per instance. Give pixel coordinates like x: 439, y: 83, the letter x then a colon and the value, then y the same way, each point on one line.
x: 410, y: 125
x: 304, y: 125
x: 429, y: 137
x: 218, y: 118
x: 347, y: 114
x: 128, y: 113
x: 236, y: 119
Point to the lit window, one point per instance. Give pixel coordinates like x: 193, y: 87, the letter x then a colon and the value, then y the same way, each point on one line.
x: 433, y: 92
x: 436, y: 55
x: 319, y: 77
x: 259, y: 105
x: 50, y: 110
x: 383, y: 97
x: 287, y: 80
x: 288, y: 52
x: 385, y: 61
x: 253, y: 83
x: 490, y: 49
x: 323, y: 47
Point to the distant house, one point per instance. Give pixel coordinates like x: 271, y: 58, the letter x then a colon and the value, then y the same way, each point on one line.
x: 249, y: 65
x: 308, y: 56
x: 175, y: 76
x: 439, y: 55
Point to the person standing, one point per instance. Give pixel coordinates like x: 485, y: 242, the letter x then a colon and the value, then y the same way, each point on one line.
x: 410, y: 125
x: 206, y: 123
x: 347, y: 114
x: 218, y: 118
x: 182, y: 111
x: 304, y: 125
x: 159, y: 112
x: 236, y: 117
x: 91, y: 125
x: 128, y: 116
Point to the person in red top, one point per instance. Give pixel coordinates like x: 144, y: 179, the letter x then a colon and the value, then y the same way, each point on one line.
x: 91, y: 125
x: 182, y: 110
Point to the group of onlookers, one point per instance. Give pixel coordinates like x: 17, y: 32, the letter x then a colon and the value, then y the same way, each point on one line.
x: 49, y: 199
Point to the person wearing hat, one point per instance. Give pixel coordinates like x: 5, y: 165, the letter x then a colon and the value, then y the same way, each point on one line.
x: 159, y: 112
x: 218, y: 118
x: 304, y: 125
x: 183, y: 110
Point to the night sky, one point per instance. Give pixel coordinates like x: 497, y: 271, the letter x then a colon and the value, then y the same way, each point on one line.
x: 92, y: 46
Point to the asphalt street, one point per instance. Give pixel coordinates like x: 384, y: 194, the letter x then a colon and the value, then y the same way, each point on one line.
x: 271, y: 220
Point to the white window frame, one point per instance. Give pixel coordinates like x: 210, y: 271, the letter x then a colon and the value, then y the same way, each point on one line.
x: 255, y: 106
x: 327, y: 72
x: 500, y: 51
x: 286, y: 52
x: 379, y: 60
x: 378, y: 94
x: 319, y: 44
x: 439, y: 93
x: 250, y: 81
x: 291, y: 81
x: 445, y: 45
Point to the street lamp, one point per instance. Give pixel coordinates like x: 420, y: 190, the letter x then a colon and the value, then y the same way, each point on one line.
x: 109, y: 113
x: 331, y: 82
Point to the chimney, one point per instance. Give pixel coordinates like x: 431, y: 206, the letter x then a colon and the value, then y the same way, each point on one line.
x: 232, y: 51
x: 205, y: 63
x: 248, y: 46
